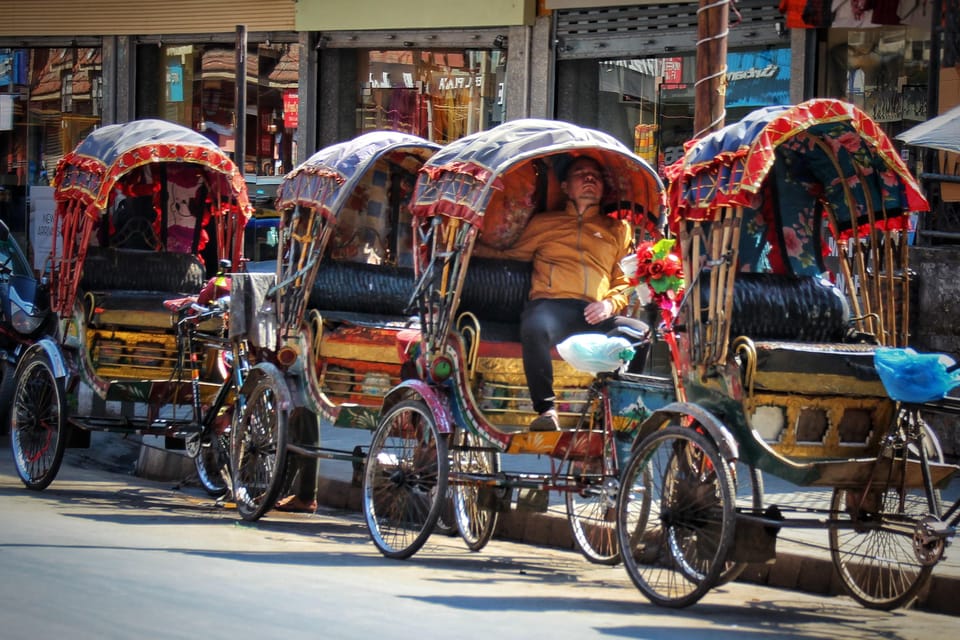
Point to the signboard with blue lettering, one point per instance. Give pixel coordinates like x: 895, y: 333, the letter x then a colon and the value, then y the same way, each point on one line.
x: 758, y: 78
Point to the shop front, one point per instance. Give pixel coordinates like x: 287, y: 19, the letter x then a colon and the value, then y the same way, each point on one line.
x: 630, y: 68
x: 68, y: 67
x: 436, y: 72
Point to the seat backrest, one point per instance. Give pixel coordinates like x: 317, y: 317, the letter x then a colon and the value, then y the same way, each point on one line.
x: 134, y: 270
x: 769, y: 306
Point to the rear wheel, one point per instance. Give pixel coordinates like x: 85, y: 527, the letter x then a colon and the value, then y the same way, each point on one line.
x: 259, y: 451
x: 592, y: 512
x: 213, y: 463
x: 404, y: 479
x: 875, y: 557
x: 675, y: 516
x: 38, y: 430
x: 476, y: 517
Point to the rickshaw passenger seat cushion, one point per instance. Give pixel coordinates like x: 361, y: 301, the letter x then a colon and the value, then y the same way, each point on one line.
x: 769, y: 306
x: 135, y: 270
x: 494, y: 289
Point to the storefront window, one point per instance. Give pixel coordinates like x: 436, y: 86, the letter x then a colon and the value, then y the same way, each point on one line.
x: 195, y: 85
x: 438, y: 95
x: 49, y: 101
x: 882, y: 70
x: 649, y: 103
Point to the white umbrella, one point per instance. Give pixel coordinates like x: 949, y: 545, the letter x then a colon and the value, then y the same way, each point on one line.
x: 942, y: 132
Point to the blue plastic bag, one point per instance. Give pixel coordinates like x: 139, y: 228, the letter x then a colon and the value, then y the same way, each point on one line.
x: 596, y: 352
x: 914, y: 377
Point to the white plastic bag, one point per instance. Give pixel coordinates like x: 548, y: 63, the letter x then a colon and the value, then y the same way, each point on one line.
x: 596, y: 352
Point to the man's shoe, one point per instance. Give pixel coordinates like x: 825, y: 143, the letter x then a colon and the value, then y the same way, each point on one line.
x: 293, y: 504
x: 546, y: 421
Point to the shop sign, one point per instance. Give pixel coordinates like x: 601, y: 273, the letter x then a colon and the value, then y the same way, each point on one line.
x: 291, y: 109
x: 758, y: 78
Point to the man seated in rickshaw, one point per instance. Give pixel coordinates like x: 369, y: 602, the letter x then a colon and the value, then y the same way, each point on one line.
x: 577, y: 284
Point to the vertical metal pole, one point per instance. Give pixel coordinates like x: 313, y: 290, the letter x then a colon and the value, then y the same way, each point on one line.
x: 240, y: 129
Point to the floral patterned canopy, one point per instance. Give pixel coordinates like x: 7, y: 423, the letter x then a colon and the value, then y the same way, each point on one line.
x: 498, y: 178
x: 789, y: 167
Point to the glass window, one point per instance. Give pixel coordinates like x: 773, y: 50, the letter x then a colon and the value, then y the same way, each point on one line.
x: 882, y: 70
x: 438, y: 95
x: 195, y: 85
x: 648, y: 104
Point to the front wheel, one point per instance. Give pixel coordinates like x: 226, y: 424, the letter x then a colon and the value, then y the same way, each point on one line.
x: 404, y: 479
x: 38, y: 429
x: 675, y: 516
x: 259, y: 451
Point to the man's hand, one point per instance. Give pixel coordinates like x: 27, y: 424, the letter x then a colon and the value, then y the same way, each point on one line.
x: 598, y: 311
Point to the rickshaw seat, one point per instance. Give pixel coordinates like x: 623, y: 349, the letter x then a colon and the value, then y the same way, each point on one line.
x: 768, y: 306
x: 138, y: 270
x: 494, y: 290
x: 127, y: 287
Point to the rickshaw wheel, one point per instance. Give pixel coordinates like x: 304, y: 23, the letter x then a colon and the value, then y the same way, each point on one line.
x: 404, y: 479
x: 675, y: 516
x: 476, y: 515
x: 878, y: 565
x: 258, y: 451
x: 591, y: 511
x: 38, y: 430
x: 8, y: 379
x: 213, y: 464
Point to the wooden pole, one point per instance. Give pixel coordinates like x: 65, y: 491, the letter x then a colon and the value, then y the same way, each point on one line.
x: 709, y: 109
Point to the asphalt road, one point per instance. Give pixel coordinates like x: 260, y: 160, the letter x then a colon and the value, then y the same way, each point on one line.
x: 106, y: 555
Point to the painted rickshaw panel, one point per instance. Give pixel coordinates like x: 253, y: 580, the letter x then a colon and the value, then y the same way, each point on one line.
x: 353, y: 358
x: 812, y: 196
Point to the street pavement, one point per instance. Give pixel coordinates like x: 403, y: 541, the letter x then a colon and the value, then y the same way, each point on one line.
x: 802, y: 559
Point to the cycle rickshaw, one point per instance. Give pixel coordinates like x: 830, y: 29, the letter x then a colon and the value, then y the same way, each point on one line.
x: 334, y: 308
x: 146, y: 211
x: 464, y: 402
x: 793, y: 225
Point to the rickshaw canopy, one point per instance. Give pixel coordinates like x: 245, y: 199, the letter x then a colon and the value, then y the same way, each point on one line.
x: 462, y: 179
x: 90, y: 172
x: 326, y: 180
x: 809, y: 153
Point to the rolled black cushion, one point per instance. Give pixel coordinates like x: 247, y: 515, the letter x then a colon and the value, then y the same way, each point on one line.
x: 770, y: 306
x: 493, y: 290
x: 133, y: 270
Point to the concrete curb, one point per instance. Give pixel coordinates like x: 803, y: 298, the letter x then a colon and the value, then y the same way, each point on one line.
x: 791, y: 570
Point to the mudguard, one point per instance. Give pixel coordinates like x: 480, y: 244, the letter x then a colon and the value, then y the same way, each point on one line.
x: 418, y: 388
x: 52, y: 348
x: 266, y: 370
x: 721, y: 436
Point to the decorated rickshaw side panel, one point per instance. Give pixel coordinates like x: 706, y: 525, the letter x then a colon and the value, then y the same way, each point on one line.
x: 794, y: 225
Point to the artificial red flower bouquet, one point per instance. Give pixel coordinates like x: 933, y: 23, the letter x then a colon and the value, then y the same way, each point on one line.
x: 659, y: 267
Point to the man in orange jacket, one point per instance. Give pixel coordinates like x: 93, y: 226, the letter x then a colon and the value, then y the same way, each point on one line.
x: 577, y: 284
